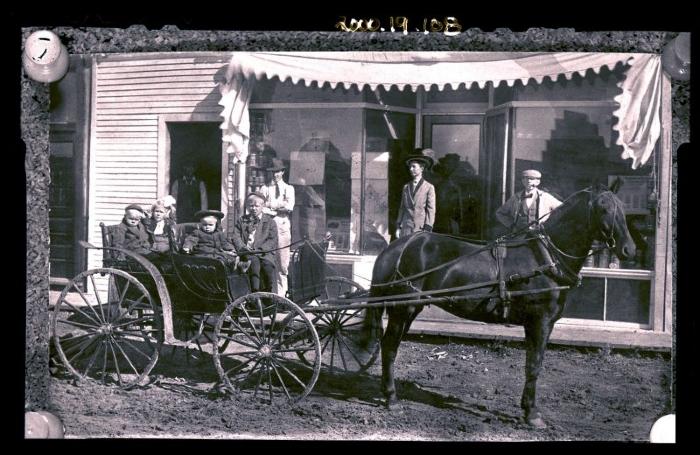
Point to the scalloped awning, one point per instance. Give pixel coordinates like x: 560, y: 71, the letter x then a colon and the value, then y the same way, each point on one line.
x: 638, y: 105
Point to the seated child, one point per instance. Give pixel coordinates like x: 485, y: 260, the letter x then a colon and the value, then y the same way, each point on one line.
x: 158, y: 227
x: 131, y: 233
x: 209, y: 240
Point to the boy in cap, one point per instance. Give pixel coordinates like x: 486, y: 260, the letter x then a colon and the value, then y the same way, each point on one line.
x: 131, y: 234
x: 209, y: 240
x: 255, y: 239
x: 529, y: 207
x: 417, y: 210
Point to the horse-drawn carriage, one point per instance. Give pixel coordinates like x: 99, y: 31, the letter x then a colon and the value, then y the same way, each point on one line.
x: 110, y: 323
x: 274, y: 346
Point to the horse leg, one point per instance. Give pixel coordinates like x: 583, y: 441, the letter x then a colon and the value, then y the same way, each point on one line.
x: 537, y: 332
x: 399, y: 322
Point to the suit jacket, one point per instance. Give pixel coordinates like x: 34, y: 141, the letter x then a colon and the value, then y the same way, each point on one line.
x: 133, y: 238
x: 264, y: 238
x: 545, y: 203
x: 417, y: 209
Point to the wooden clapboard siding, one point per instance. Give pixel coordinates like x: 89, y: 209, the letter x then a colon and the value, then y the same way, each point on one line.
x: 131, y: 97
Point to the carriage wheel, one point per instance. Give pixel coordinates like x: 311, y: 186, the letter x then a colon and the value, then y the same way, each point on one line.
x: 112, y: 338
x: 265, y: 331
x: 340, y: 332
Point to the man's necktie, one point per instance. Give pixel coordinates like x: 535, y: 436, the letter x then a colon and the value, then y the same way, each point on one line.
x: 277, y: 190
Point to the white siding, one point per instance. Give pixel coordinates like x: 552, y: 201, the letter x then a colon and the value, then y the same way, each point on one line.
x: 130, y: 96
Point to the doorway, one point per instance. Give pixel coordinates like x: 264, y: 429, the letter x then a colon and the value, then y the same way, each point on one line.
x: 200, y: 144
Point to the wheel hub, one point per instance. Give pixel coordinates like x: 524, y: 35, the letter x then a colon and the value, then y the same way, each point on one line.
x: 265, y: 351
x: 105, y: 329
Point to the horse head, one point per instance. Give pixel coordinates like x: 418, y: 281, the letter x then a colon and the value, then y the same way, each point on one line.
x: 608, y: 221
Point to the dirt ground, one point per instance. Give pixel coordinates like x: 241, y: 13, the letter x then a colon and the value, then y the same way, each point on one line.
x: 450, y: 391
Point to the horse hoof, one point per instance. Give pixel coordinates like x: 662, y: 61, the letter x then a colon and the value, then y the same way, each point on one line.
x: 537, y: 422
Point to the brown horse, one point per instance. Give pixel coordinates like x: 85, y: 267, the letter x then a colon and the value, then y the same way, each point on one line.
x: 544, y: 263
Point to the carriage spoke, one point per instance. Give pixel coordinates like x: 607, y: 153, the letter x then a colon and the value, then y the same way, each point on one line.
x: 104, y: 364
x: 134, y: 303
x: 147, y: 357
x: 352, y: 353
x: 304, y: 349
x: 351, y: 315
x: 244, y: 332
x: 262, y: 323
x: 89, y: 342
x: 299, y: 381
x: 269, y: 379
x: 148, y: 317
x: 239, y: 341
x: 332, y: 351
x: 340, y: 350
x: 92, y: 360
x: 284, y: 387
x: 76, y: 309
x: 285, y: 322
x: 245, y: 312
x: 128, y: 360
x: 68, y: 344
x: 77, y: 324
x: 272, y: 324
x: 116, y: 363
x: 88, y: 303
x: 97, y: 296
x: 238, y: 367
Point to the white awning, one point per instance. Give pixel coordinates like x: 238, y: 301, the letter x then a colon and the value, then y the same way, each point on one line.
x: 638, y: 109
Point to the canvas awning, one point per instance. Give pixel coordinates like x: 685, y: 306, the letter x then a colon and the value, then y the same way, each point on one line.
x: 638, y: 106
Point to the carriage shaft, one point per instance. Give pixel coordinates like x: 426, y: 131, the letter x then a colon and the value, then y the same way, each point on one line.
x: 391, y: 301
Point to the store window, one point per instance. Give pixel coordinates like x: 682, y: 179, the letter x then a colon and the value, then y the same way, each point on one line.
x: 574, y: 147
x: 318, y: 146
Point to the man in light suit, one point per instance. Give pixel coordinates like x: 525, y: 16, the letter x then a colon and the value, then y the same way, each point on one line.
x: 417, y: 210
x: 279, y: 203
x: 528, y: 208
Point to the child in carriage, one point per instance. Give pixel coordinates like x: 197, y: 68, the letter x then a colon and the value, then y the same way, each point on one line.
x: 209, y: 240
x: 158, y: 226
x: 131, y: 233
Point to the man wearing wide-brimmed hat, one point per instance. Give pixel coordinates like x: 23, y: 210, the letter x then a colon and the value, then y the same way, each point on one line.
x: 279, y: 203
x: 417, y: 210
x: 190, y: 193
x: 529, y: 207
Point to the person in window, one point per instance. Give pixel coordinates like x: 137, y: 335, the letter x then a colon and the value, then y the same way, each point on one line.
x: 528, y: 208
x: 209, y: 240
x: 190, y: 194
x: 417, y: 209
x: 279, y: 202
x: 255, y: 239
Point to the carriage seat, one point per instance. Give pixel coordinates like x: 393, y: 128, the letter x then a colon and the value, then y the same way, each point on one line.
x: 112, y: 258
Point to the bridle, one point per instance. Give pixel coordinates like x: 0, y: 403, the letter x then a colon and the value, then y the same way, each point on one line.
x: 607, y: 237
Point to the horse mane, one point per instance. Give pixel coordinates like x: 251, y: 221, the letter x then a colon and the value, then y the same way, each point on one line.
x: 568, y: 204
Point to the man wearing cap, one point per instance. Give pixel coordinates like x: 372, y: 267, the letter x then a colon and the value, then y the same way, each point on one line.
x: 255, y: 239
x: 209, y: 240
x: 190, y: 194
x: 527, y: 208
x: 279, y: 203
x: 417, y: 210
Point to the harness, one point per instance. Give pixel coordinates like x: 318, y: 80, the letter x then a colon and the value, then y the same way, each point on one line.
x: 546, y: 251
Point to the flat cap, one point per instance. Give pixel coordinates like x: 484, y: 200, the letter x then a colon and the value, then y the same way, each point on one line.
x: 532, y: 173
x: 134, y: 207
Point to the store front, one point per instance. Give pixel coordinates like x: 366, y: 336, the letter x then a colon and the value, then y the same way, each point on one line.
x: 343, y: 123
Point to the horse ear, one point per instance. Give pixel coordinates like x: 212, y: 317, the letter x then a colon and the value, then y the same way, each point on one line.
x: 616, y: 184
